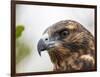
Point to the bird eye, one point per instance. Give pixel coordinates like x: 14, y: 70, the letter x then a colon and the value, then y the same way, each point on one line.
x: 64, y: 33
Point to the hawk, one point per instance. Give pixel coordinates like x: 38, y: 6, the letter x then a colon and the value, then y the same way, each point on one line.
x: 70, y: 45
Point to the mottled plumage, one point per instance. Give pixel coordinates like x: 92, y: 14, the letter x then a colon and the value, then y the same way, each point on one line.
x: 70, y: 46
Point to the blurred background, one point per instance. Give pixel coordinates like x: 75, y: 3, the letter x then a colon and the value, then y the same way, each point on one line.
x: 31, y: 21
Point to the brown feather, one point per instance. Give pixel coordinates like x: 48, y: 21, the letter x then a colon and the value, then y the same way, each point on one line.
x: 76, y: 51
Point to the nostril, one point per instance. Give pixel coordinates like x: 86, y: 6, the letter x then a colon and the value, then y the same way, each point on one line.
x: 46, y: 39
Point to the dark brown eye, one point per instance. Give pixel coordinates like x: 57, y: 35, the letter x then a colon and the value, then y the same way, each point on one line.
x: 64, y: 33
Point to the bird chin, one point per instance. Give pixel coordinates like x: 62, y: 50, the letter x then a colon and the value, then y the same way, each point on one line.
x: 51, y: 49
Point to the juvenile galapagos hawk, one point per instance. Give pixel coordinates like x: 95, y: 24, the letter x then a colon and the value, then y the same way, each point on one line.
x: 70, y: 45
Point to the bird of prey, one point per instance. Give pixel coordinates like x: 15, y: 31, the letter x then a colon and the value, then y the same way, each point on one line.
x: 70, y: 45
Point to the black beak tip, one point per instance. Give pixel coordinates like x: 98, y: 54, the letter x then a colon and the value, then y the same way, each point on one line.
x: 40, y: 54
x: 39, y: 51
x: 41, y: 46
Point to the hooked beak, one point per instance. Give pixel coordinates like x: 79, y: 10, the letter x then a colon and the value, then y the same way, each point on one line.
x: 41, y: 46
x: 45, y: 43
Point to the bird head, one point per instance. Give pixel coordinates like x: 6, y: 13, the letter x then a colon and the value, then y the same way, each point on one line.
x: 65, y: 37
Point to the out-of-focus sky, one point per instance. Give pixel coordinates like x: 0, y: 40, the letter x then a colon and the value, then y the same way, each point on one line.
x: 36, y: 19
